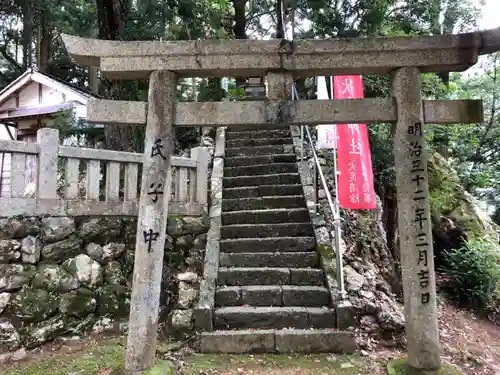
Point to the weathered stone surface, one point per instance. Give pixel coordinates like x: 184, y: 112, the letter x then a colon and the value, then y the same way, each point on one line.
x: 345, y: 314
x: 14, y: 276
x: 262, y: 191
x: 267, y: 230
x: 31, y: 248
x: 175, y: 226
x: 54, y: 278
x: 253, y: 276
x: 268, y: 216
x: 182, y: 319
x: 246, y: 142
x: 9, y: 337
x: 189, y: 277
x: 255, y: 150
x: 4, y: 300
x: 238, y: 161
x: 113, y: 273
x: 255, y: 170
x: 353, y: 280
x: 276, y: 244
x: 261, y: 317
x: 317, y: 341
x: 296, y: 259
x: 228, y: 296
x: 94, y: 251
x: 18, y: 228
x: 237, y: 342
x: 112, y: 251
x: 38, y: 333
x: 79, y: 303
x: 305, y: 296
x: 320, y: 317
x: 262, y: 203
x: 307, y: 276
x: 184, y: 242
x: 100, y: 229
x: 10, y: 250
x: 195, y: 225
x: 274, y: 179
x: 261, y: 295
x: 187, y: 295
x: 61, y: 250
x: 57, y: 228
x: 113, y: 300
x: 85, y: 269
x: 34, y: 304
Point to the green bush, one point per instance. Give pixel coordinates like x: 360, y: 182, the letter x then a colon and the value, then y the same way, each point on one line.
x: 474, y: 274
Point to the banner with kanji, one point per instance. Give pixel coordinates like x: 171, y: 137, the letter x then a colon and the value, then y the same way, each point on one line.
x: 326, y: 133
x: 354, y: 160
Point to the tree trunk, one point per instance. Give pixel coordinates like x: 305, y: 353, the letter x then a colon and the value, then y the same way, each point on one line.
x: 27, y: 34
x: 112, y: 15
x: 44, y: 42
x: 239, y: 28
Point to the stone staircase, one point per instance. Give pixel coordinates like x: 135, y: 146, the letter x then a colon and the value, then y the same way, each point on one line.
x: 271, y: 294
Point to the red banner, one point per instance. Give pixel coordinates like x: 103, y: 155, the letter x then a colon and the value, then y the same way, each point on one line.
x: 353, y: 152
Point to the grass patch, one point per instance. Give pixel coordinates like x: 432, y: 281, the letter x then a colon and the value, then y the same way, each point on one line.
x: 400, y: 367
x: 90, y: 361
x: 273, y: 364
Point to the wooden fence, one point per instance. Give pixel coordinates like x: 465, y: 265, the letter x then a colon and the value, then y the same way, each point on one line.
x: 50, y: 179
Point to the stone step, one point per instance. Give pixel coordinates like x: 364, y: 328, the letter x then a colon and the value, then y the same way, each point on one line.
x: 266, y: 245
x: 259, y: 150
x: 247, y: 142
x: 267, y: 230
x: 269, y: 216
x: 258, y: 134
x: 253, y: 128
x: 293, y: 259
x: 262, y: 191
x: 260, y: 169
x: 247, y: 317
x: 270, y: 179
x: 238, y: 161
x: 272, y: 295
x: 238, y: 276
x: 262, y: 203
x: 278, y: 341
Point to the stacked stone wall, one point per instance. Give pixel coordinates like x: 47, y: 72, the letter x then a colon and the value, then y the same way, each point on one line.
x: 67, y: 276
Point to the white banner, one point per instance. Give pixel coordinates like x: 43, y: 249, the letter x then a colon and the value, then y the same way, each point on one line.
x: 326, y: 133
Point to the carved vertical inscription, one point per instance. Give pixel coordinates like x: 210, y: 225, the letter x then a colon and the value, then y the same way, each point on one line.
x: 414, y: 223
x: 152, y: 223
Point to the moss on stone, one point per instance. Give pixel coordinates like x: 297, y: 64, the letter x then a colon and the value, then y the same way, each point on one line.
x: 400, y: 367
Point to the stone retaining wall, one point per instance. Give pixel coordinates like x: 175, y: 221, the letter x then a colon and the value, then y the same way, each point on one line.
x: 61, y: 276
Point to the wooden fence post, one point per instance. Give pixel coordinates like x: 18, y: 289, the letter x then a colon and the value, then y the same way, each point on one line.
x: 151, y: 223
x: 202, y: 157
x: 48, y: 143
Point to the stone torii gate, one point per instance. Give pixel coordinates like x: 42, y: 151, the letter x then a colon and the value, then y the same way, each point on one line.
x: 402, y: 57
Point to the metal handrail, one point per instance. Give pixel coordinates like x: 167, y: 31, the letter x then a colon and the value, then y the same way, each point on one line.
x: 334, y: 207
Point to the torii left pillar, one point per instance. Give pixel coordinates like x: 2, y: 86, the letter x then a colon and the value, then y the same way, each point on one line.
x: 151, y: 223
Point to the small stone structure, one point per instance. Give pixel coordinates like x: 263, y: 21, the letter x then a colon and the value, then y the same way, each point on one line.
x: 65, y: 276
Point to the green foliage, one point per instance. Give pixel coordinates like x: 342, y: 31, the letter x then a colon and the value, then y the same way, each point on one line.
x: 474, y: 272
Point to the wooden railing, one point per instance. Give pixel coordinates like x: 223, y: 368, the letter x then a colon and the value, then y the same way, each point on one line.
x: 50, y: 179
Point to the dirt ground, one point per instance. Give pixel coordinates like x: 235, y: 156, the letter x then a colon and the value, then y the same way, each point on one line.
x: 471, y: 343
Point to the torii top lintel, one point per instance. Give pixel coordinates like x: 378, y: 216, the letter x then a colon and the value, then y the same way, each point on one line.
x: 232, y: 58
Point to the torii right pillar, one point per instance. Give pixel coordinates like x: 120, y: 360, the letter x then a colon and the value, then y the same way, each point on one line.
x: 414, y: 224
